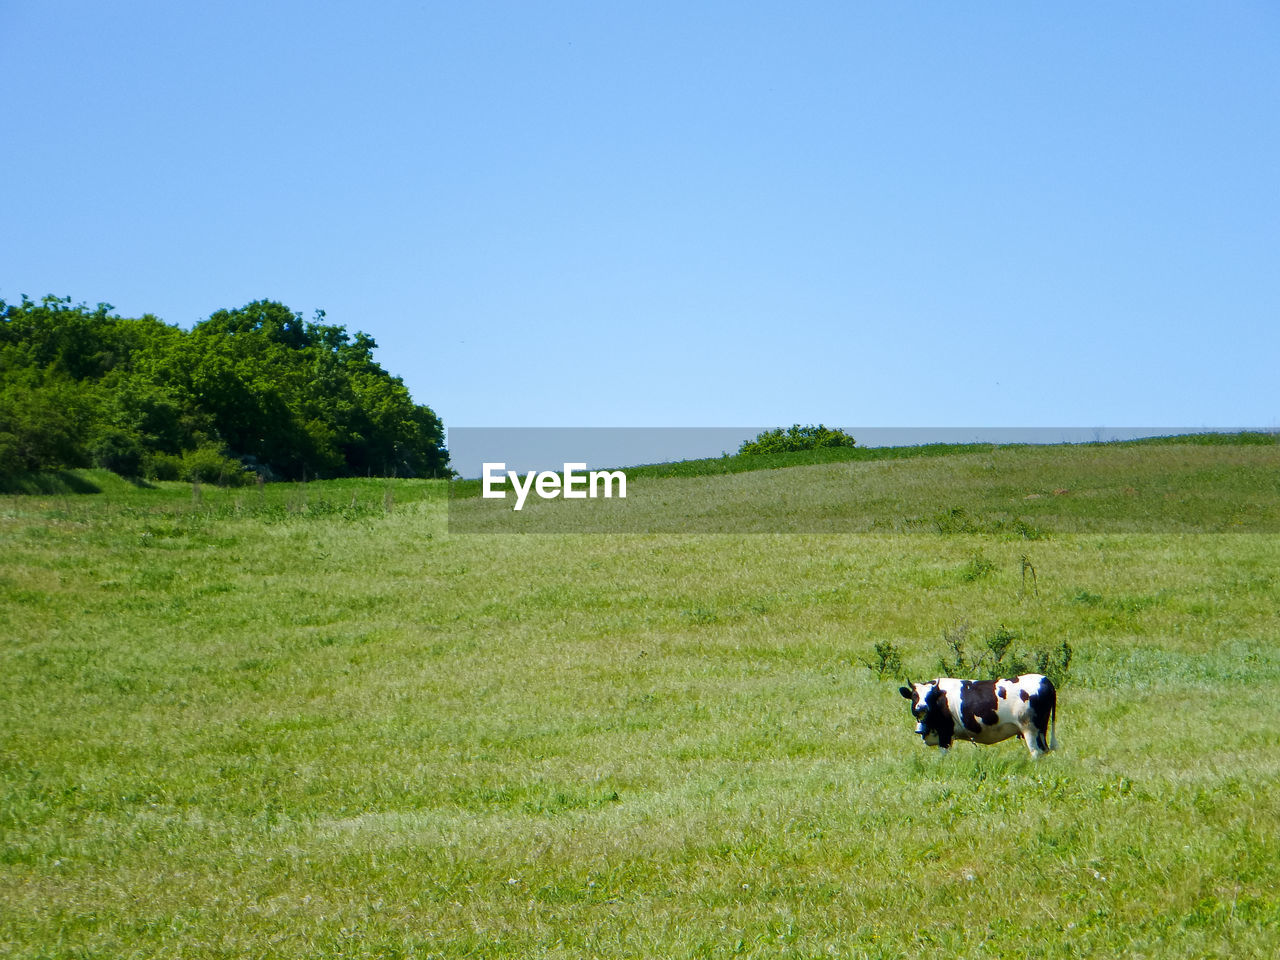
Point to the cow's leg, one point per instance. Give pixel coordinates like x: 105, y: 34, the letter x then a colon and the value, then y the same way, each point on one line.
x: 1034, y: 739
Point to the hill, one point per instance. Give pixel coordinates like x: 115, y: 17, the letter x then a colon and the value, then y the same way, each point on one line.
x: 1203, y: 483
x: 309, y: 720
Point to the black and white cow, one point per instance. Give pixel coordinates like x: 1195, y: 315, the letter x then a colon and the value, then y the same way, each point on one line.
x: 986, y: 711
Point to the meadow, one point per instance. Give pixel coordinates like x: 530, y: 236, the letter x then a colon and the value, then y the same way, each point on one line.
x: 310, y: 720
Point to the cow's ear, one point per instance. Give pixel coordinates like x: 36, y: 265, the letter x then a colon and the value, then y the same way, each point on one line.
x: 905, y: 691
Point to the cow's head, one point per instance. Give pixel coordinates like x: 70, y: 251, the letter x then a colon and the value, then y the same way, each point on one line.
x: 922, y: 696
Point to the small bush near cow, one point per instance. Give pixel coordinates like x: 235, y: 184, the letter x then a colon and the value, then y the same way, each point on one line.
x: 887, y: 660
x: 956, y: 661
x: 998, y: 645
x: 795, y: 438
x: 1001, y: 658
x: 1055, y: 663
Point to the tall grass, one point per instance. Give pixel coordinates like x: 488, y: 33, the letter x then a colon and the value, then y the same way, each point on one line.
x: 230, y: 729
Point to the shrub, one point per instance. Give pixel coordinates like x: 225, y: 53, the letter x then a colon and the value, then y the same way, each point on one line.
x: 119, y: 451
x: 977, y: 568
x: 888, y: 660
x: 1055, y: 663
x: 163, y: 466
x: 209, y: 463
x: 956, y: 661
x: 795, y: 438
x: 1001, y: 658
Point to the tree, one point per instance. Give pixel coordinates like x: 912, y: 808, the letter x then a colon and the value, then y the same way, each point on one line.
x: 258, y: 385
x: 43, y: 422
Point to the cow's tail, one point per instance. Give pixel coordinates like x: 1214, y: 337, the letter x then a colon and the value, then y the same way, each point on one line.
x: 1053, y: 723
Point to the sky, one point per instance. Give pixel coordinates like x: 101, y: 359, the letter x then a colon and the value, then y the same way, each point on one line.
x: 683, y: 214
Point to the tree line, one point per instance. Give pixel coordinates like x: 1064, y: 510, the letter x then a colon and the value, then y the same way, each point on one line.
x: 252, y: 390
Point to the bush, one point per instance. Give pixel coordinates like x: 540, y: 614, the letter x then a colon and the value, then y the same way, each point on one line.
x: 1001, y: 658
x: 976, y: 568
x: 119, y: 451
x: 163, y: 466
x: 209, y: 463
x: 795, y: 438
x: 888, y: 660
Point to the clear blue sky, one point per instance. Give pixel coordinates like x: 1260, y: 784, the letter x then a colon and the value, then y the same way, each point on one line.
x: 682, y: 214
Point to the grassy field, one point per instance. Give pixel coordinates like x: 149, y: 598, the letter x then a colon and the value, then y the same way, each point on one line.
x: 1023, y: 490
x: 309, y: 721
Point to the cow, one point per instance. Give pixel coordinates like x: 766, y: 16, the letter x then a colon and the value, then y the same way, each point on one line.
x: 986, y: 711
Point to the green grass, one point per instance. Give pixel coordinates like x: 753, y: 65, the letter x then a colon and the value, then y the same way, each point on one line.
x: 306, y: 721
x: 1025, y: 492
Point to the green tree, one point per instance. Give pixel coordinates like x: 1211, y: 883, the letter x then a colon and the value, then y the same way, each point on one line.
x: 43, y: 422
x: 256, y: 385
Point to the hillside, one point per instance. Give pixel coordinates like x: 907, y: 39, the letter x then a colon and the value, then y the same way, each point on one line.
x: 1209, y: 483
x: 310, y: 720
